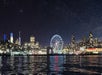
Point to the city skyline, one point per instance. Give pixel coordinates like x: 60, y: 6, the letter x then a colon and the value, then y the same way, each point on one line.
x: 43, y: 19
x: 18, y: 41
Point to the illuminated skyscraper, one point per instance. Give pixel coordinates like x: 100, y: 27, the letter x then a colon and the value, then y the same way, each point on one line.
x: 32, y: 43
x: 91, y: 39
x: 4, y: 37
x: 19, y: 39
x: 32, y: 39
x: 11, y: 37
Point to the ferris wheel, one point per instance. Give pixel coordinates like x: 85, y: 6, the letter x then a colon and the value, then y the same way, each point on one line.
x: 56, y: 43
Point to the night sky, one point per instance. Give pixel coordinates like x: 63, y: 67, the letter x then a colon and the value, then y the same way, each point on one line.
x: 44, y: 18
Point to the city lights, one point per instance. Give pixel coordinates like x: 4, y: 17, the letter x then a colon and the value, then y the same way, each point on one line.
x: 90, y: 46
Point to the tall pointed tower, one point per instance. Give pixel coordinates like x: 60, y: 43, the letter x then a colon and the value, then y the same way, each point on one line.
x: 19, y: 38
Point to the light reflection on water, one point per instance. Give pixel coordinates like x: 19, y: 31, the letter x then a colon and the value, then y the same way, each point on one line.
x: 55, y: 65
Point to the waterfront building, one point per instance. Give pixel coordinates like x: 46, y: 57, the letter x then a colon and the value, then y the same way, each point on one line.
x: 32, y: 41
x: 32, y: 44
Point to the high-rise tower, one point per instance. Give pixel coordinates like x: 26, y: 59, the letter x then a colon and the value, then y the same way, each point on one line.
x: 11, y: 37
x: 4, y: 37
x: 32, y: 39
x: 19, y: 39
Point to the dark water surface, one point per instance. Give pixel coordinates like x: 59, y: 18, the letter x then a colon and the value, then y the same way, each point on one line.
x: 51, y: 65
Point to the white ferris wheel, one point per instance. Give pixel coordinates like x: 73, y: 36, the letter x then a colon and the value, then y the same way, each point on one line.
x: 56, y: 43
